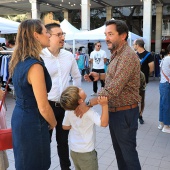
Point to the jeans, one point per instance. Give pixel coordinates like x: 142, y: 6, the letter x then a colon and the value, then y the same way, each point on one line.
x: 61, y: 138
x: 123, y: 126
x: 95, y: 88
x: 164, y: 105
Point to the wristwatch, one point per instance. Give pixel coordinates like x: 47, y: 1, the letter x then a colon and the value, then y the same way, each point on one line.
x: 88, y: 103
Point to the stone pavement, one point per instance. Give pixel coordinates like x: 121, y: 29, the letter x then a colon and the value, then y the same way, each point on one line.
x: 152, y: 144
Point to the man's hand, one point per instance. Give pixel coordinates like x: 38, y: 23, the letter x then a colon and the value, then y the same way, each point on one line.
x: 81, y: 109
x: 93, y: 74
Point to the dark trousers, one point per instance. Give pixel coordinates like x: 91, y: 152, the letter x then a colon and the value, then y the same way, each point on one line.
x: 61, y: 138
x: 95, y: 88
x: 123, y: 127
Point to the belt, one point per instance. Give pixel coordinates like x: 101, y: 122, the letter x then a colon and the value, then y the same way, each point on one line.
x: 116, y: 109
x: 55, y: 104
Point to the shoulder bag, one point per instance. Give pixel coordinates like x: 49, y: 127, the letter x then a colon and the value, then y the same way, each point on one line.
x: 5, y: 134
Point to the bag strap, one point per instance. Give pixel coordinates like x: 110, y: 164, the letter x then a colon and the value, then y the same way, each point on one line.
x: 141, y: 62
x: 3, y: 99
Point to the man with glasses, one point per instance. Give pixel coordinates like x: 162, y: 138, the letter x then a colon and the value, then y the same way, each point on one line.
x: 60, y: 65
x: 98, y: 58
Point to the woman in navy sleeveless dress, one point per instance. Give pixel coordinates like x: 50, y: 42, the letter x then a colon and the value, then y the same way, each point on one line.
x: 32, y: 115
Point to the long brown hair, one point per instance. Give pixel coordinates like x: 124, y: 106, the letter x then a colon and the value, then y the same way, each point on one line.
x: 26, y: 44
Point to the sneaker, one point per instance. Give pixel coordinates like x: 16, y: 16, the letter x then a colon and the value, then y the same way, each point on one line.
x: 166, y: 129
x: 94, y: 94
x: 141, y: 120
x: 160, y: 127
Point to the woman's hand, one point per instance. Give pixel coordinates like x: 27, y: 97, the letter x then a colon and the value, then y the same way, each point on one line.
x: 81, y: 109
x: 51, y: 127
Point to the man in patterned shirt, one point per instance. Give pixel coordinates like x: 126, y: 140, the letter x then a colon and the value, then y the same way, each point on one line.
x: 122, y: 82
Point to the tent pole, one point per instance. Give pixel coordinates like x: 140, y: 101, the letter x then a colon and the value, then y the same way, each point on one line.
x: 74, y: 47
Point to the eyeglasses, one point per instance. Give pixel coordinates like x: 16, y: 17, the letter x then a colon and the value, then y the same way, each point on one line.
x: 59, y: 34
x: 99, y: 45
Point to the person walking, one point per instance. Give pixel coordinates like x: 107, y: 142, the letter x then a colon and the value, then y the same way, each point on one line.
x: 164, y: 88
x: 147, y: 66
x: 146, y: 59
x: 32, y: 116
x: 122, y: 83
x: 60, y: 65
x: 98, y: 58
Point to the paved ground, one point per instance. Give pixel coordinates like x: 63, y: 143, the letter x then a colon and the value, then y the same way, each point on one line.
x: 152, y: 144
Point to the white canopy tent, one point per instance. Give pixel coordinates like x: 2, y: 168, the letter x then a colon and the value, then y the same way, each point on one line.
x: 98, y: 35
x: 69, y: 29
x: 8, y: 26
x: 76, y: 38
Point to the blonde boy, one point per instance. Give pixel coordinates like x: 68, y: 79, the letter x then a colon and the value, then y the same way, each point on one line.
x: 82, y: 130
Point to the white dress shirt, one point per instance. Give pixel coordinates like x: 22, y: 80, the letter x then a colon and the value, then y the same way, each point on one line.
x: 60, y: 68
x: 82, y: 132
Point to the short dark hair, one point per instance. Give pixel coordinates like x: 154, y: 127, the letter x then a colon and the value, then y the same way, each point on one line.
x: 51, y: 25
x: 168, y: 49
x: 12, y: 42
x: 121, y: 26
x: 80, y: 48
x: 140, y: 42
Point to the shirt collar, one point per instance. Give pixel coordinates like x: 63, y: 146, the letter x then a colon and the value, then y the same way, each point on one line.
x: 49, y: 54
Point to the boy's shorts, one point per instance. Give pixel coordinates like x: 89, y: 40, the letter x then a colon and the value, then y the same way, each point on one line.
x: 85, y: 161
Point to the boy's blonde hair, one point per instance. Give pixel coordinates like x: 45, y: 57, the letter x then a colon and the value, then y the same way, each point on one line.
x: 69, y: 98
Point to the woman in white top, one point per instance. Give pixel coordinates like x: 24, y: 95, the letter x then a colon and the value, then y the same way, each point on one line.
x: 164, y: 88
